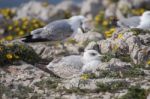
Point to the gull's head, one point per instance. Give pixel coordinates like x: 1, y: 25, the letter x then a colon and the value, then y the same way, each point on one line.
x: 91, y: 55
x: 77, y: 22
x: 146, y: 15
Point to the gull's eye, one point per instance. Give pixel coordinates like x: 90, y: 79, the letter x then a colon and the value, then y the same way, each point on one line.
x: 93, y: 54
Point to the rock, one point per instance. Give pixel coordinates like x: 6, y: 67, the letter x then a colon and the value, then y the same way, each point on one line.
x: 47, y: 50
x: 124, y: 6
x: 145, y: 39
x: 34, y: 9
x: 87, y: 37
x: 140, y: 55
x: 106, y: 3
x: 117, y: 64
x: 90, y: 8
x: 111, y: 11
x: 105, y: 46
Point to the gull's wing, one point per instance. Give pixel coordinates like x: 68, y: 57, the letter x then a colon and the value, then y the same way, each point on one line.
x: 56, y: 30
x: 67, y: 66
x: 129, y: 22
x: 59, y: 29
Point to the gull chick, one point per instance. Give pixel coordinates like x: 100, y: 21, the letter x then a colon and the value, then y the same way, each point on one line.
x: 70, y: 66
x: 58, y: 30
x: 92, y: 60
x: 142, y: 22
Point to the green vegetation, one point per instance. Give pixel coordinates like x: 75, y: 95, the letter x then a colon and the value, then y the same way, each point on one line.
x: 135, y: 92
x: 21, y: 92
x: 111, y: 87
x: 132, y: 72
x: 47, y: 83
x: 11, y: 53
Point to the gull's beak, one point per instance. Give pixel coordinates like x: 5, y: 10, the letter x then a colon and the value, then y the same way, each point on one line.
x: 101, y: 55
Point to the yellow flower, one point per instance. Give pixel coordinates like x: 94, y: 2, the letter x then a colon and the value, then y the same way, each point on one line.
x: 142, y: 10
x: 148, y: 62
x: 34, y: 20
x: 10, y: 28
x: 36, y: 25
x: 9, y: 45
x: 115, y: 47
x: 24, y: 19
x: 97, y: 18
x: 105, y: 23
x: 16, y: 22
x: 112, y: 29
x: 2, y: 40
x: 120, y: 36
x: 1, y: 49
x: 108, y: 34
x: 21, y: 33
x: 9, y: 38
x: 16, y: 56
x: 9, y: 56
x: 84, y: 76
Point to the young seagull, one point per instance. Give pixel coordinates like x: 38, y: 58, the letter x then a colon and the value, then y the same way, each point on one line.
x: 58, y: 30
x: 142, y: 22
x: 92, y: 60
x: 70, y: 66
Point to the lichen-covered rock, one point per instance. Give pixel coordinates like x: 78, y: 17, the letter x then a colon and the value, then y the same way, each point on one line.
x: 132, y: 42
x: 46, y: 51
x: 88, y: 37
x: 105, y: 46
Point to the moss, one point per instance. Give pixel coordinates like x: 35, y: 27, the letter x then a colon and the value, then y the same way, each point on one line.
x: 22, y: 92
x: 135, y: 92
x: 72, y: 41
x: 124, y: 58
x: 47, y: 83
x: 107, y: 57
x: 77, y: 90
x: 36, y: 96
x: 131, y: 72
x: 110, y: 87
x: 138, y: 31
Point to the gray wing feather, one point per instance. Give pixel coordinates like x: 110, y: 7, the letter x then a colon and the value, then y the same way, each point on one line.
x: 67, y: 66
x: 59, y: 28
x: 129, y: 22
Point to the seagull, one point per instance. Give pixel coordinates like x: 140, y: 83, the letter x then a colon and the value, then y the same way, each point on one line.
x: 92, y: 59
x: 72, y: 65
x: 58, y: 30
x: 142, y: 22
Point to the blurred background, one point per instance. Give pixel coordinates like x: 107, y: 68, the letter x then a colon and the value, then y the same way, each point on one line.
x: 19, y: 17
x: 13, y: 3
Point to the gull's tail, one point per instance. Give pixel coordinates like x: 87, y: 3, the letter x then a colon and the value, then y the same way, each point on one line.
x: 35, y: 36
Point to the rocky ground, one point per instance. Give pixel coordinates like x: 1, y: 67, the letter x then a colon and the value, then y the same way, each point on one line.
x: 123, y: 74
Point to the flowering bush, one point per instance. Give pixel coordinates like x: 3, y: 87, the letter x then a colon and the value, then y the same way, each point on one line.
x: 11, y: 53
x: 105, y: 25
